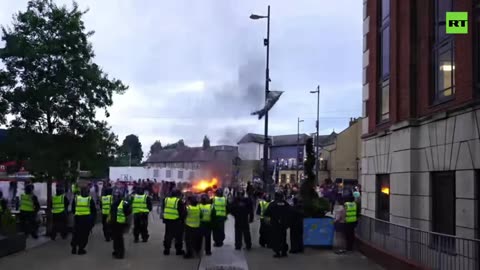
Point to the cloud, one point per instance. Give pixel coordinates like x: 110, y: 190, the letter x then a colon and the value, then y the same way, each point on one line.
x: 197, y: 68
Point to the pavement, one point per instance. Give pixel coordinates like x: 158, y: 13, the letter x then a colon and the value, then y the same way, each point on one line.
x: 56, y: 255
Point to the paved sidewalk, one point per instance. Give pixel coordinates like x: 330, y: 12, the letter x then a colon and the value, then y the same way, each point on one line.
x: 56, y: 255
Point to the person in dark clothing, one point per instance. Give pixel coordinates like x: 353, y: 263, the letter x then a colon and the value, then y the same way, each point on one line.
x: 208, y: 214
x: 220, y: 206
x: 279, y: 214
x: 296, y: 226
x: 3, y: 206
x: 174, y: 213
x: 141, y: 205
x: 242, y: 210
x: 83, y: 207
x: 29, y: 208
x: 192, y: 227
x: 59, y: 206
x: 120, y: 211
x: 350, y: 221
x: 264, y: 224
x: 105, y: 205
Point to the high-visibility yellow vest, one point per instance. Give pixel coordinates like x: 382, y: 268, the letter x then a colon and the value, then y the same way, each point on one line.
x: 121, y: 218
x: 193, y: 216
x: 206, y: 212
x: 75, y: 188
x: 140, y: 204
x: 26, y: 203
x: 351, y: 209
x: 82, y: 207
x: 106, y: 204
x: 263, y: 207
x: 58, y: 204
x: 220, y: 206
x: 170, y: 211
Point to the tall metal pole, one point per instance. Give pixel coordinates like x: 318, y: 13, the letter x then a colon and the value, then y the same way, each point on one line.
x: 317, y: 140
x: 266, y: 144
x: 298, y: 146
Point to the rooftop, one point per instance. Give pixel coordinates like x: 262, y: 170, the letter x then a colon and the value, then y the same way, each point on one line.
x: 325, y: 139
x: 277, y: 141
x: 194, y: 154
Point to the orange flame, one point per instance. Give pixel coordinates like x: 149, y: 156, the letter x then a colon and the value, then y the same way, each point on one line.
x: 202, y: 185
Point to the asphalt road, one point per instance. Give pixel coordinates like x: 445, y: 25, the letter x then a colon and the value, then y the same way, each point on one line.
x: 56, y: 255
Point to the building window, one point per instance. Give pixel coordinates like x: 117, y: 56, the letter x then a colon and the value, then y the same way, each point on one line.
x: 168, y: 174
x: 365, y: 13
x: 180, y: 175
x: 443, y: 208
x: 443, y: 54
x: 283, y: 178
x: 292, y: 178
x: 384, y: 62
x: 155, y: 173
x: 191, y: 176
x: 383, y: 197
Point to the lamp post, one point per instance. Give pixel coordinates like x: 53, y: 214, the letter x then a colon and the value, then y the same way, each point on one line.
x: 266, y: 43
x: 298, y: 146
x: 317, y: 154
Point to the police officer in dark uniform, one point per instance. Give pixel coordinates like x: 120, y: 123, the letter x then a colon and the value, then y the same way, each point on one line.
x: 296, y: 226
x: 120, y: 211
x: 242, y: 210
x: 29, y: 208
x: 264, y: 224
x: 279, y: 213
x: 105, y: 205
x: 141, y: 205
x: 59, y: 208
x: 85, y: 211
x: 220, y: 206
x: 173, y: 209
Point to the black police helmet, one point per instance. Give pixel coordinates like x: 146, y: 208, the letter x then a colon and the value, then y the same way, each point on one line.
x: 279, y: 195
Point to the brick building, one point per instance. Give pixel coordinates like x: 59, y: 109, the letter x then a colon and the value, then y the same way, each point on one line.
x: 421, y: 116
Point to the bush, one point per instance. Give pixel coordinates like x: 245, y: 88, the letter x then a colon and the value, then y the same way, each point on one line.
x: 8, y: 224
x: 314, y: 206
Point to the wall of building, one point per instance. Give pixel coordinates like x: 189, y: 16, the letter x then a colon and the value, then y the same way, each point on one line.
x: 410, y: 153
x: 286, y: 152
x: 160, y: 174
x: 250, y: 151
x: 345, y: 157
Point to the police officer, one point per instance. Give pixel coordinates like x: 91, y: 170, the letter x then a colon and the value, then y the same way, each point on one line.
x: 218, y: 223
x: 208, y: 213
x: 120, y: 211
x: 29, y: 208
x: 59, y: 208
x: 106, y: 203
x: 242, y: 210
x: 296, y: 226
x: 84, y: 209
x: 264, y: 224
x: 142, y: 205
x: 192, y: 227
x: 278, y: 213
x: 350, y: 222
x: 173, y: 215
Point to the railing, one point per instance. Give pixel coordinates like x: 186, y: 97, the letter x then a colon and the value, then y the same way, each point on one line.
x: 427, y: 249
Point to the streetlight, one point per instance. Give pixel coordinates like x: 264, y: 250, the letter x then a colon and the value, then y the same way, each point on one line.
x: 266, y: 43
x: 298, y: 145
x: 317, y: 162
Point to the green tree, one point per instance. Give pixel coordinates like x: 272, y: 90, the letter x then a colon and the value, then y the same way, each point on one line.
x: 314, y: 206
x: 58, y: 88
x: 155, y: 147
x: 206, y: 142
x: 130, y: 152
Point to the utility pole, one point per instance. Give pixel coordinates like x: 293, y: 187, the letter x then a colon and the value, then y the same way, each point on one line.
x: 297, y: 163
x: 317, y: 143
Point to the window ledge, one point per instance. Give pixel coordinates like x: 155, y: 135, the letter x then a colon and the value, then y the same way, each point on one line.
x: 441, y: 102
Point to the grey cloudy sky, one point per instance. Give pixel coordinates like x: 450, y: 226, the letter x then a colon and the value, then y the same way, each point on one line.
x: 197, y: 67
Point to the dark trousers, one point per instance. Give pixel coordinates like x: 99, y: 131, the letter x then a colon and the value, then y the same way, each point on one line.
x: 117, y: 237
x: 191, y: 240
x: 173, y: 230
x: 140, y: 226
x: 218, y: 231
x: 81, y: 231
x: 28, y: 223
x: 107, y: 228
x: 264, y: 230
x: 205, y: 235
x: 350, y: 235
x: 59, y: 225
x: 278, y: 239
x: 242, y: 231
x: 296, y: 236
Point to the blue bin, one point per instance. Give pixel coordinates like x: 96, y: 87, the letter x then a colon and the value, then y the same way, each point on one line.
x: 318, y: 232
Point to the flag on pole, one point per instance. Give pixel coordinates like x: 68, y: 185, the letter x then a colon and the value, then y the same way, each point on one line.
x: 272, y: 98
